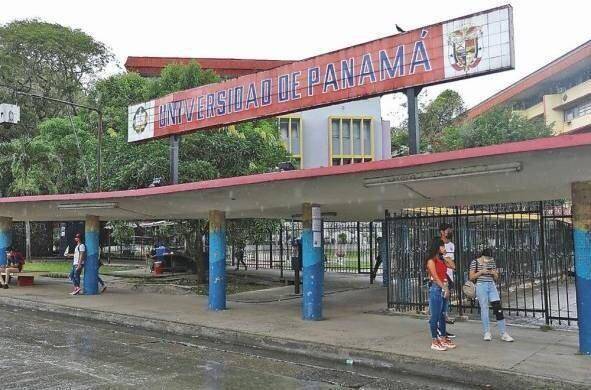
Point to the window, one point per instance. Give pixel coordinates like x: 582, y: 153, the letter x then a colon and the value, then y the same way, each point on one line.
x: 350, y: 140
x: 290, y: 132
x: 582, y: 109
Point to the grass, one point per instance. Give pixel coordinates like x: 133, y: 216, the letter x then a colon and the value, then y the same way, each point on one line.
x: 64, y: 267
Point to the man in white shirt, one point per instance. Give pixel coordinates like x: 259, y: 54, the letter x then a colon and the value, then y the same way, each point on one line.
x: 446, y: 233
x: 77, y: 264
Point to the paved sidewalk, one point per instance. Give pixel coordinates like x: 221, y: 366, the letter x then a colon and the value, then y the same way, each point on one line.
x: 353, y: 327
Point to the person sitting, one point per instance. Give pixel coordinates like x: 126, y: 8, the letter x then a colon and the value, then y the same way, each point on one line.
x: 11, y: 267
x: 15, y: 259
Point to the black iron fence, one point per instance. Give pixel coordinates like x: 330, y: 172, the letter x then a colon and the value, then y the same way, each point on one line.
x: 532, y: 245
x: 349, y: 247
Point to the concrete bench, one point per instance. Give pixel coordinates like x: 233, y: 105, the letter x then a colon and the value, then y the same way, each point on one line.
x: 22, y: 279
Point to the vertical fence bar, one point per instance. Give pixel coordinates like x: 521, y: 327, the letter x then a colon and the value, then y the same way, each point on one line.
x: 544, y: 262
x: 371, y: 275
x: 358, y: 248
x: 386, y: 236
x: 256, y: 256
x: 271, y: 249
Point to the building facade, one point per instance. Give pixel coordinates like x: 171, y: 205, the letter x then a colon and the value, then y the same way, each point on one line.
x: 340, y: 134
x: 559, y: 93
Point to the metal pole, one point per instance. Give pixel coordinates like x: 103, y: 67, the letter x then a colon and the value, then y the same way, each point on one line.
x: 459, y: 264
x: 371, y: 275
x: 281, y: 251
x: 271, y: 249
x: 358, y: 248
x: 544, y: 263
x: 99, y: 152
x: 385, y: 261
x: 413, y: 120
x: 174, y: 158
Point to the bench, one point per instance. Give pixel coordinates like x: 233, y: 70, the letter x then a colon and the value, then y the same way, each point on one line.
x: 22, y: 279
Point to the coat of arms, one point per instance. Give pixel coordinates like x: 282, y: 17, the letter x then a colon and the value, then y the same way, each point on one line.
x: 140, y: 119
x: 463, y: 44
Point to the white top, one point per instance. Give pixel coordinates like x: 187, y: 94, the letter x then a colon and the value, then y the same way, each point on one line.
x: 449, y: 252
x: 79, y: 248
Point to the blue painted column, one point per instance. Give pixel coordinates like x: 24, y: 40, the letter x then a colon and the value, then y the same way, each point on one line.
x: 581, y: 196
x: 5, y: 238
x: 91, y: 242
x: 313, y: 266
x: 217, y: 260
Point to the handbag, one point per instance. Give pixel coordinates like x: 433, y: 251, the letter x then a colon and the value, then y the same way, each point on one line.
x: 469, y: 288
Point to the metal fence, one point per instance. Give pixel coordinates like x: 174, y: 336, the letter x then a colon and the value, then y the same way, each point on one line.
x: 349, y: 247
x: 532, y: 245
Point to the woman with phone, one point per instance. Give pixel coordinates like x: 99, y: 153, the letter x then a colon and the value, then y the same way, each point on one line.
x: 483, y: 272
x: 438, y: 293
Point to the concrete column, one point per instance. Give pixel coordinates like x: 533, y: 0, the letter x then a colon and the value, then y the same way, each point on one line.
x: 5, y: 238
x: 91, y: 242
x: 581, y: 196
x: 313, y: 265
x: 217, y: 260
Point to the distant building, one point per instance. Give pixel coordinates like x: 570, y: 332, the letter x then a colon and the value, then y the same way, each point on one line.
x: 341, y: 134
x: 559, y: 92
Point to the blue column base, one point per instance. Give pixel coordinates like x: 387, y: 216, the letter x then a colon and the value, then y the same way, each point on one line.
x: 91, y: 263
x: 582, y: 240
x: 313, y: 285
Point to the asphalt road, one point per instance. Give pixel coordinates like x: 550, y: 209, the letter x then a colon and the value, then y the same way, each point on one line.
x: 46, y: 351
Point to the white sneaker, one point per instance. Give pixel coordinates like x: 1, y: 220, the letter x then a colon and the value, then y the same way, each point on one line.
x: 505, y: 337
x: 487, y: 336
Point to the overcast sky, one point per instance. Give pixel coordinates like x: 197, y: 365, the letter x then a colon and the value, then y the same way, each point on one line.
x: 299, y: 29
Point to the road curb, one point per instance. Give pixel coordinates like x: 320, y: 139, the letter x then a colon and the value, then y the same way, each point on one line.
x: 451, y: 371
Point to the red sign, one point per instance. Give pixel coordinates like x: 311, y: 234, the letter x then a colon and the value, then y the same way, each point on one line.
x: 469, y: 46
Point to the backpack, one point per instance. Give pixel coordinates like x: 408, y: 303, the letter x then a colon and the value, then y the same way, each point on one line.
x: 469, y: 288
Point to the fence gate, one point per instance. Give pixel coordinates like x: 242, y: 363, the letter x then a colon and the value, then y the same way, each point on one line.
x: 532, y: 244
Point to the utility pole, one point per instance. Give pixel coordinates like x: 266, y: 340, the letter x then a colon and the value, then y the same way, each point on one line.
x: 175, y: 140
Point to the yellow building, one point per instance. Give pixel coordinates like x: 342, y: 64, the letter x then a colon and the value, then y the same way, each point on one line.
x: 559, y: 92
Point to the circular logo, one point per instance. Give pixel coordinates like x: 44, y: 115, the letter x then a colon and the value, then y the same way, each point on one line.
x: 140, y: 119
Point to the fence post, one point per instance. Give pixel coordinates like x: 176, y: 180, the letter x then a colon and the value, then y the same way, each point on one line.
x: 544, y: 263
x: 386, y: 261
x: 358, y: 248
x: 256, y: 256
x: 281, y: 251
x: 371, y: 276
x: 271, y: 249
x: 459, y: 265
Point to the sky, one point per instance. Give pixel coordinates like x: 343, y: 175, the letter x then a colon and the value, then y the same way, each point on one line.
x: 295, y: 30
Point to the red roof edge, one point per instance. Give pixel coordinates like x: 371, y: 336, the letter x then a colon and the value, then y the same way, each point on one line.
x: 534, y: 145
x: 151, y: 66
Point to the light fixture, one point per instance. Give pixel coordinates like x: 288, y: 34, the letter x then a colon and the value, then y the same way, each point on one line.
x: 475, y: 170
x: 86, y: 206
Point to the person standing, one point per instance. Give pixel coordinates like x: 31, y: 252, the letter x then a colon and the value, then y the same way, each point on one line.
x: 77, y: 263
x: 446, y: 234
x: 483, y: 271
x: 438, y: 292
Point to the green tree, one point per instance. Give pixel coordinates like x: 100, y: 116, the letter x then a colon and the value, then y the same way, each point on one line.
x: 47, y: 59
x: 496, y: 126
x: 31, y: 164
x: 434, y: 116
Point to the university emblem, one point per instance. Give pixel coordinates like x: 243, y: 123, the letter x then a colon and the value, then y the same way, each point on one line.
x: 463, y: 44
x: 140, y: 119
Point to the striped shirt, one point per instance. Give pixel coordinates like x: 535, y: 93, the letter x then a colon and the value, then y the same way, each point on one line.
x: 484, y: 263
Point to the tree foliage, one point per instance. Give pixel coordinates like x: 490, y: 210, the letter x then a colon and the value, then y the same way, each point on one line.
x: 50, y: 60
x: 493, y: 127
x: 442, y: 127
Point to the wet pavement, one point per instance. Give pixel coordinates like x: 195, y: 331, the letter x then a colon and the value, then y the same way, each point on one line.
x: 48, y: 351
